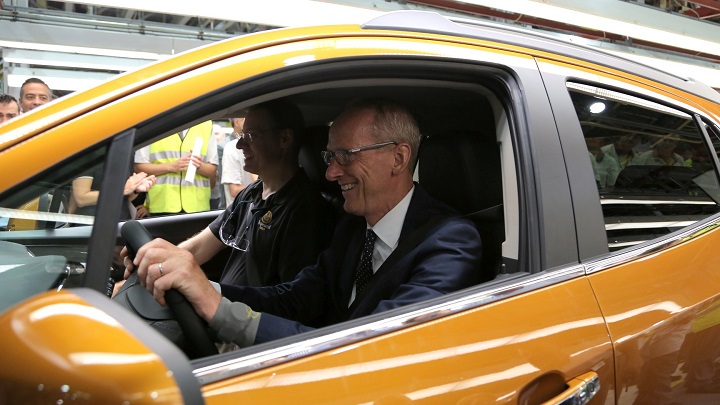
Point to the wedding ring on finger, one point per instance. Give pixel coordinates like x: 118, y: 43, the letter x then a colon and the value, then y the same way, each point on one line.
x: 160, y: 268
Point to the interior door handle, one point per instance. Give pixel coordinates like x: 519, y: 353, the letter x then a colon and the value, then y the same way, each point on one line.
x: 580, y: 390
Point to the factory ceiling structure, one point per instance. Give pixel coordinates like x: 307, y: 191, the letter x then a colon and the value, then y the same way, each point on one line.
x: 76, y: 44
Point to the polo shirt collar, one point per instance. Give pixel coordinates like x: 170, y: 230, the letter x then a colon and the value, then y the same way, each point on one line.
x: 288, y: 190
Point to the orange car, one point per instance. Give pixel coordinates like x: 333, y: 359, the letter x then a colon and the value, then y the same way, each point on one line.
x: 593, y: 180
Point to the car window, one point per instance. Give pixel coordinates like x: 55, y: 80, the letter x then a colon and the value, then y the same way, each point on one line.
x: 204, y: 139
x: 44, y: 233
x: 652, y: 166
x: 713, y: 132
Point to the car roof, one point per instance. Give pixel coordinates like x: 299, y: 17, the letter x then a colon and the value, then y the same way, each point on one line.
x: 429, y: 22
x: 401, y: 23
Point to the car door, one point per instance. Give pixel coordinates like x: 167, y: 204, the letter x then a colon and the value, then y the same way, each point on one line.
x: 651, y: 262
x: 533, y: 334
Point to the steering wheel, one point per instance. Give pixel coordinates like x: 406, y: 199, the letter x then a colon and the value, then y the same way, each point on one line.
x: 194, y: 328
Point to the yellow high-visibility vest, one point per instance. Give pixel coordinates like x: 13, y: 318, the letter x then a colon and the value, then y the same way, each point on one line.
x: 171, y: 193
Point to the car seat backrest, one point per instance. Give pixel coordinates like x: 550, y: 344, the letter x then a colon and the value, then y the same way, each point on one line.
x: 314, y: 142
x: 462, y: 169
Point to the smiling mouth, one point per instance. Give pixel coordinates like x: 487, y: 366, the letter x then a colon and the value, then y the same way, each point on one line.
x: 347, y: 187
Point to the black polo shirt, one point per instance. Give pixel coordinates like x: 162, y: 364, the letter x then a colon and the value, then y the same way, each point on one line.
x: 281, y: 235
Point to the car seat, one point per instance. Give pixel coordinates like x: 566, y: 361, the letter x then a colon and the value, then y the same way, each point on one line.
x: 314, y: 142
x: 462, y: 169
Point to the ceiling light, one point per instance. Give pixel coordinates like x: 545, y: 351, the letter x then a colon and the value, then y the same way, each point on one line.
x: 597, y: 107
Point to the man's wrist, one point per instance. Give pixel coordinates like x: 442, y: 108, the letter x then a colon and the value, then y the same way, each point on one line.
x: 210, y: 308
x: 235, y: 322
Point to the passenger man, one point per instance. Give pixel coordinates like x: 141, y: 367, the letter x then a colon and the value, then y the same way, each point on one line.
x: 371, y: 153
x: 276, y: 225
x: 34, y: 93
x: 9, y: 108
x: 169, y: 159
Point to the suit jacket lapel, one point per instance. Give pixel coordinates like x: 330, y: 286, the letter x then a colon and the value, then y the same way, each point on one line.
x: 414, y: 218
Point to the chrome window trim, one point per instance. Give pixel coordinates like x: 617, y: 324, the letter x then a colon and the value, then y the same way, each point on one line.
x: 606, y: 201
x: 650, y: 225
x: 701, y: 228
x: 272, y: 357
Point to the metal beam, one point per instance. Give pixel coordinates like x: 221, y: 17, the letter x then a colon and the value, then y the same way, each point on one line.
x: 99, y: 42
x: 71, y: 60
x: 482, y: 11
x: 63, y: 80
x: 277, y: 13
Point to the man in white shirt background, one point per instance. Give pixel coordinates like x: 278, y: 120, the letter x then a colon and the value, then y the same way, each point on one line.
x: 233, y: 177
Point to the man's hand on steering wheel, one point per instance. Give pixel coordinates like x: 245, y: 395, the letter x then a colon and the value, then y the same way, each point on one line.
x: 147, y: 252
x: 162, y: 266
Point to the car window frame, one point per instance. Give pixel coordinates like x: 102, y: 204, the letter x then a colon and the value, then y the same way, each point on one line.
x: 107, y: 215
x: 592, y: 238
x: 281, y: 82
x: 517, y: 97
x: 529, y: 130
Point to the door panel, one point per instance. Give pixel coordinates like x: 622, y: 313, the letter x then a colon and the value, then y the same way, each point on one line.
x: 661, y: 312
x: 659, y: 305
x: 533, y: 342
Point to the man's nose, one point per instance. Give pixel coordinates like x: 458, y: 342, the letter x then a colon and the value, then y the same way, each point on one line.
x: 241, y: 142
x: 334, y: 171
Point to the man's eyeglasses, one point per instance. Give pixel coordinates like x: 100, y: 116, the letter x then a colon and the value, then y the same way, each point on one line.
x: 247, y: 136
x: 345, y: 156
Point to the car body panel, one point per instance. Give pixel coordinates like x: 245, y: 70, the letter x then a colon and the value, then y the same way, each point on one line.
x: 571, y: 311
x: 658, y: 328
x: 481, y: 356
x: 666, y: 319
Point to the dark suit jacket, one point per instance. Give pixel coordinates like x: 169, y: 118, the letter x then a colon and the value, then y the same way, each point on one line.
x: 447, y: 260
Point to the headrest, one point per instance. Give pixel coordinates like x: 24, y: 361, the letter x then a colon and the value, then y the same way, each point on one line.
x: 462, y: 169
x: 315, y: 141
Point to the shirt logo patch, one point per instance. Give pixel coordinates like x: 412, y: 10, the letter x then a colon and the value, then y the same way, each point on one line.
x: 266, y: 220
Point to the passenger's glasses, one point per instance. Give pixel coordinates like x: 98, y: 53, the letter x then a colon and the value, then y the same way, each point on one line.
x: 345, y: 156
x: 247, y: 136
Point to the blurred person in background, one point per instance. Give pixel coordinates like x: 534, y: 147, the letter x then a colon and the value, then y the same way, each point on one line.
x: 9, y: 108
x: 223, y: 135
x: 34, y: 93
x: 169, y: 159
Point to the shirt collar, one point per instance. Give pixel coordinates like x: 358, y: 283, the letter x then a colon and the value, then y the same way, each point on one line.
x: 388, y: 228
x: 287, y: 191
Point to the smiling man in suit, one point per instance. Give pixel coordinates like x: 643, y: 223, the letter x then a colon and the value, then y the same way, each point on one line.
x: 372, y: 149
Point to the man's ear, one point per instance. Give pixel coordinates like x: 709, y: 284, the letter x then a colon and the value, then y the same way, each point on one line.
x: 402, y: 158
x: 286, y: 138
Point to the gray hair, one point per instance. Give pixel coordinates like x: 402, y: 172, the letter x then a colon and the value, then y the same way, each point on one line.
x: 391, y: 122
